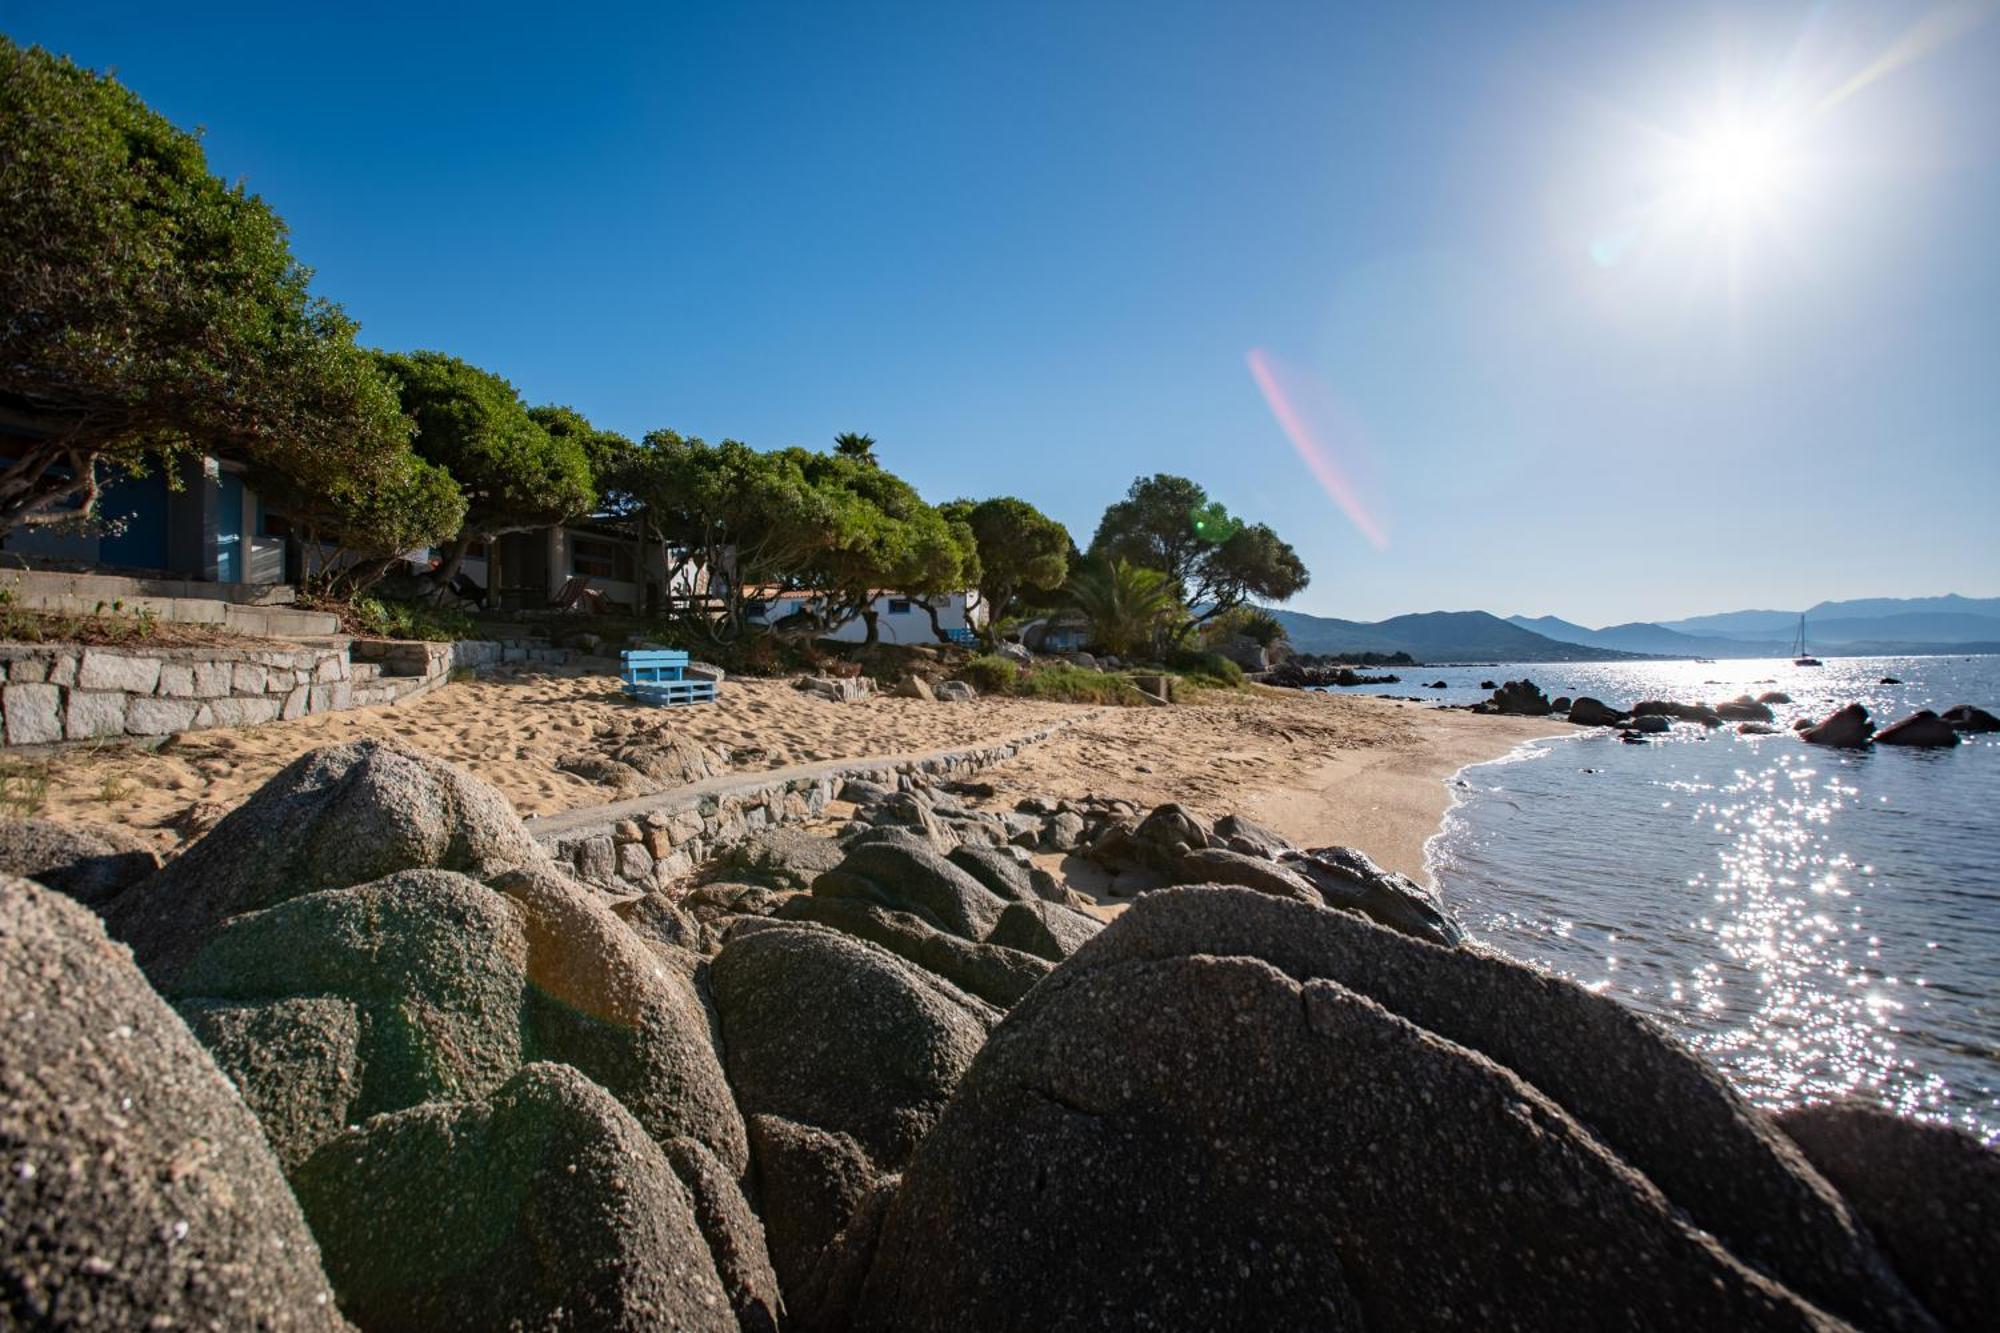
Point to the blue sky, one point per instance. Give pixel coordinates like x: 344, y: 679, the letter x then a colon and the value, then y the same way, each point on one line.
x: 1571, y: 345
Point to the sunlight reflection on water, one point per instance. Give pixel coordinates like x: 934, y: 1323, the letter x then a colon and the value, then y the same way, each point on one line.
x: 1817, y: 923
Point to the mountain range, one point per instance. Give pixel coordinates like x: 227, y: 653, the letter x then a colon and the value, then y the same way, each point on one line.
x: 1875, y: 626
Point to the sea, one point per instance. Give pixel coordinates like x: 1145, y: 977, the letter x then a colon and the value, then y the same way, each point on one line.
x: 1818, y: 923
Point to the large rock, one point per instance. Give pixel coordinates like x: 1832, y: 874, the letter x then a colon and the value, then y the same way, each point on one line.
x: 1845, y: 728
x: 996, y: 974
x: 333, y: 818
x: 1521, y: 697
x: 1965, y: 717
x: 828, y: 1031
x: 1157, y: 842
x: 1743, y: 709
x: 451, y: 986
x: 783, y: 858
x: 92, y: 863
x: 1922, y: 728
x: 1247, y: 836
x: 1346, y: 878
x: 1046, y: 930
x: 905, y: 877
x: 812, y: 1182
x: 1929, y: 1193
x: 1589, y: 712
x: 1382, y: 1134
x: 135, y: 1189
x: 1219, y: 865
x: 735, y: 1235
x: 546, y: 1205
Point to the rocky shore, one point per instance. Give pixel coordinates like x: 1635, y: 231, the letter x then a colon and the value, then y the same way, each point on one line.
x: 366, y: 1055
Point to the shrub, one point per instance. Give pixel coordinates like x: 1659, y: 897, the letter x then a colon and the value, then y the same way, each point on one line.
x: 1210, y: 669
x: 382, y: 619
x: 1066, y: 683
x: 990, y: 673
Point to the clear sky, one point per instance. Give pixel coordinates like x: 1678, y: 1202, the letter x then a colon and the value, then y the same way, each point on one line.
x: 1613, y: 311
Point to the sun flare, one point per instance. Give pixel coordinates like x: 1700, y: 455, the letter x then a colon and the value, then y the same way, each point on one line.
x: 1736, y: 170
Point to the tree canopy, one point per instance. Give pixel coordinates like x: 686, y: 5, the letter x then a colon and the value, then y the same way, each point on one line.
x: 1216, y: 562
x: 1017, y: 545
x: 854, y: 445
x: 513, y: 473
x: 146, y: 306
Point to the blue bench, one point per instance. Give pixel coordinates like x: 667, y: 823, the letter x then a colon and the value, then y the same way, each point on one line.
x: 659, y: 676
x: 961, y: 635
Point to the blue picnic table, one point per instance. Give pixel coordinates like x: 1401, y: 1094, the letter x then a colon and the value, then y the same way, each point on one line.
x: 659, y: 676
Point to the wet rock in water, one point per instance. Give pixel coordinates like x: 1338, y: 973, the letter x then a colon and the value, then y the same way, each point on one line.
x: 1437, y: 685
x: 333, y: 818
x: 1489, y: 684
x: 92, y: 863
x: 1046, y: 930
x: 1650, y: 724
x: 1347, y: 878
x: 1560, y: 704
x: 1964, y: 717
x: 1803, y: 724
x: 1249, y: 837
x: 1889, y: 680
x: 1376, y: 1127
x: 1774, y: 697
x: 1743, y: 709
x: 1702, y: 713
x: 996, y: 974
x: 733, y: 1232
x: 134, y: 1184
x: 1755, y: 729
x: 906, y: 877
x: 1929, y: 1193
x: 1520, y: 697
x: 1588, y: 712
x: 546, y: 1204
x: 1845, y: 728
x: 1921, y: 728
x: 828, y: 1031
x: 1219, y: 865
x: 782, y: 858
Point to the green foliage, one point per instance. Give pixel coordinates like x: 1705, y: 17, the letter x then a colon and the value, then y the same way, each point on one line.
x: 513, y: 473
x: 607, y: 453
x: 384, y: 619
x: 1018, y: 547
x: 1209, y: 669
x: 1249, y: 622
x: 149, y: 308
x: 855, y: 446
x: 990, y: 673
x: 1214, y: 561
x: 1130, y: 607
x: 1063, y: 682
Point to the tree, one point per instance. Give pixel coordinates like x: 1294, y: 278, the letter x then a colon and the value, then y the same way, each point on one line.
x: 860, y: 448
x: 1130, y: 608
x: 1018, y: 546
x: 606, y: 452
x: 883, y: 538
x: 1169, y: 524
x: 146, y: 307
x: 369, y: 522
x: 514, y: 475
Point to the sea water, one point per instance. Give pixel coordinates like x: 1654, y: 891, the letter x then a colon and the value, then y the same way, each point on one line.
x: 1818, y: 923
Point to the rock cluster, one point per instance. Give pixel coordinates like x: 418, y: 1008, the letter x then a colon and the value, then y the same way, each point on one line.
x: 894, y: 1079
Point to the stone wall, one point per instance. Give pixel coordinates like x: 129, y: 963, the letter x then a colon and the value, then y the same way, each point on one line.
x: 641, y: 844
x: 62, y: 692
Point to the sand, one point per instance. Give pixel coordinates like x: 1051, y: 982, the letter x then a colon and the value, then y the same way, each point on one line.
x: 1319, y: 769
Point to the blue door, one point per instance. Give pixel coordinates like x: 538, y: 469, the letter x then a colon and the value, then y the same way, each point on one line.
x: 229, y: 530
x: 135, y: 513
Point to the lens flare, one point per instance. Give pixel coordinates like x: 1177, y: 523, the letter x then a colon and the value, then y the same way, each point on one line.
x: 1282, y: 393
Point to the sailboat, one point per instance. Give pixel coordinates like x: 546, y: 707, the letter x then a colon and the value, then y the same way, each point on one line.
x: 1800, y: 657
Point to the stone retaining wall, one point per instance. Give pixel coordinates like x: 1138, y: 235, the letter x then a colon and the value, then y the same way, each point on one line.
x: 59, y: 692
x: 641, y: 844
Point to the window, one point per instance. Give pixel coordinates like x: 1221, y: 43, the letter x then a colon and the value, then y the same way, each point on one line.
x: 899, y: 606
x: 600, y: 559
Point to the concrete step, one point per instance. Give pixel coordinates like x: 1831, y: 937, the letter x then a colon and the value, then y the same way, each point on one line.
x: 272, y: 622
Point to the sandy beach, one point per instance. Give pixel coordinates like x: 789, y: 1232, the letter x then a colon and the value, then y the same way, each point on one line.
x: 1319, y: 769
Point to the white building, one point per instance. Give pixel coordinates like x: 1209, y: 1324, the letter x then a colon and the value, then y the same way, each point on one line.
x: 899, y: 619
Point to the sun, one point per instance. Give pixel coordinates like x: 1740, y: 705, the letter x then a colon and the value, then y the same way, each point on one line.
x: 1736, y: 170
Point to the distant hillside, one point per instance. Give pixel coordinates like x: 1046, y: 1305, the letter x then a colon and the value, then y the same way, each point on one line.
x: 1435, y: 636
x: 1899, y: 620
x: 1643, y: 637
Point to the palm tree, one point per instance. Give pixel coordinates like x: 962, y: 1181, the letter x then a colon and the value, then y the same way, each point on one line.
x: 854, y: 445
x: 1129, y: 606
